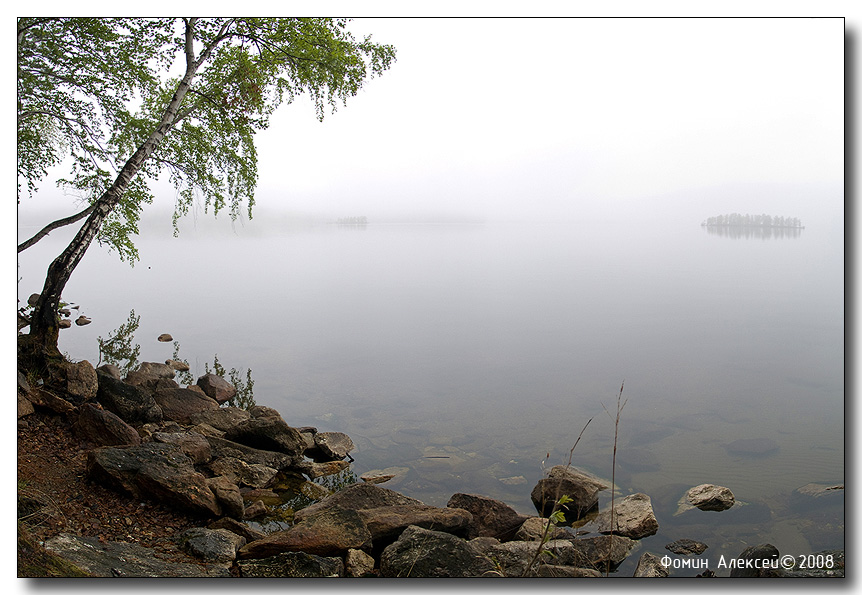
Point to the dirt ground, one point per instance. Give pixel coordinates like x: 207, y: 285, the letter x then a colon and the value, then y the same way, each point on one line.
x: 54, y: 495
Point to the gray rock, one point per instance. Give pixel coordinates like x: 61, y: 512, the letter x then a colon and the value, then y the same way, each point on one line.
x: 329, y: 533
x: 491, y: 518
x: 332, y: 445
x: 240, y: 528
x: 156, y: 369
x: 164, y: 338
x: 387, y: 522
x: 578, y: 485
x: 240, y: 472
x: 292, y: 565
x: 253, y: 456
x: 82, y: 321
x: 758, y: 554
x: 359, y: 496
x: 179, y: 404
x: 261, y: 411
x: 633, y: 517
x: 710, y: 497
x: 687, y: 547
x: 111, y: 370
x: 255, y: 510
x: 534, y: 528
x: 119, y: 559
x: 512, y: 558
x: 177, y: 365
x: 134, y: 405
x: 650, y: 566
x: 832, y: 567
x: 154, y: 471
x: 423, y: 553
x: 211, y: 545
x: 358, y: 564
x: 314, y: 470
x: 223, y: 418
x: 217, y: 387
x: 25, y: 406
x: 556, y: 571
x: 82, y: 384
x: 193, y: 445
x: 227, y: 495
x: 103, y: 428
x: 268, y: 433
x: 598, y: 552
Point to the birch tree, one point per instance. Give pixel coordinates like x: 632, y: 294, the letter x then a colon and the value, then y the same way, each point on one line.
x: 101, y: 92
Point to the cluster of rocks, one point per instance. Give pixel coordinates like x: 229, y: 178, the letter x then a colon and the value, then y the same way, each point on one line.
x: 156, y: 440
x: 181, y: 446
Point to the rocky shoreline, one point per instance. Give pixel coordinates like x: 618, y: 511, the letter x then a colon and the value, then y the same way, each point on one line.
x: 154, y: 441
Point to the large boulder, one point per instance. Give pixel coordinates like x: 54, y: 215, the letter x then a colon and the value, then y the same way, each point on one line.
x: 120, y: 559
x: 103, y: 428
x: 581, y: 487
x: 491, y: 518
x: 633, y: 517
x: 217, y: 387
x: 134, y: 405
x: 156, y: 369
x: 314, y: 470
x: 211, y: 545
x: 330, y: 445
x: 292, y: 565
x: 268, y: 433
x: 253, y: 456
x: 227, y: 495
x: 82, y: 383
x: 240, y: 472
x: 154, y: 471
x: 179, y: 404
x: 359, y: 496
x: 387, y: 522
x: 329, y: 533
x: 650, y: 566
x: 193, y: 445
x: 423, y: 553
x: 758, y: 561
x: 223, y: 418
x: 602, y: 552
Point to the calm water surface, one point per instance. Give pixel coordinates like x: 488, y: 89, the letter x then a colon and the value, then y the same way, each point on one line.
x: 493, y: 345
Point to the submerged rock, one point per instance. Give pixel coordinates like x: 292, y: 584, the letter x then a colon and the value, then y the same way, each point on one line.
x: 687, y: 547
x: 709, y: 497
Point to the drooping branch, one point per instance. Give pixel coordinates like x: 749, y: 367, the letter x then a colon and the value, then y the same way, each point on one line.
x: 55, y: 225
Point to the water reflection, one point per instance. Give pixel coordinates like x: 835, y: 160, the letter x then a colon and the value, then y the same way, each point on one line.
x: 737, y: 232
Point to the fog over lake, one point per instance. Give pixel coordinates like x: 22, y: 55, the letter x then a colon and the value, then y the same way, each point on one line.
x: 525, y: 257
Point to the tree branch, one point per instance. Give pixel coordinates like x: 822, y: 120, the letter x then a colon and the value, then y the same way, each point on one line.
x: 55, y: 225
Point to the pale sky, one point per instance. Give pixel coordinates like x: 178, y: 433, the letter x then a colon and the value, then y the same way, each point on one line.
x: 485, y: 116
x: 563, y: 118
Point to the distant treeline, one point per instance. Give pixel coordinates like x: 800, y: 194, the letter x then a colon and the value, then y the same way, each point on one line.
x: 737, y: 220
x: 353, y: 220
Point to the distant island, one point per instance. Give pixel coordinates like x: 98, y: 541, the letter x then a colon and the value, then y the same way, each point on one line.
x: 737, y: 220
x: 363, y: 220
x: 738, y: 226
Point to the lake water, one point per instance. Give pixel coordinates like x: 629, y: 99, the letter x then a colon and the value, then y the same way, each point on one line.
x: 474, y: 354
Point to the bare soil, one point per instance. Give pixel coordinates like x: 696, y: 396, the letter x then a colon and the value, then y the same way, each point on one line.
x: 55, y: 496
